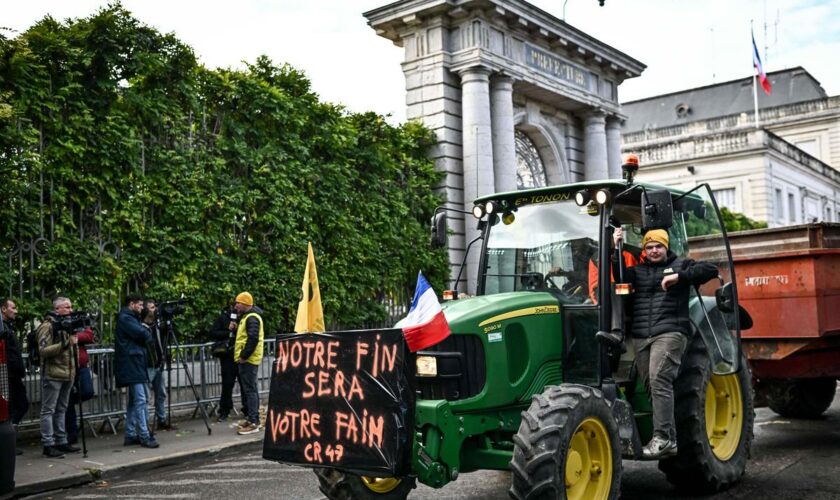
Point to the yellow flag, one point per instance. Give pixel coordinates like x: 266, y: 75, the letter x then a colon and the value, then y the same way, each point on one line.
x: 310, y: 315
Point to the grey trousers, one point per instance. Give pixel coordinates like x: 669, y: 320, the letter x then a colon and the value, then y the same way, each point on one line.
x: 250, y: 394
x: 54, y: 397
x: 658, y: 360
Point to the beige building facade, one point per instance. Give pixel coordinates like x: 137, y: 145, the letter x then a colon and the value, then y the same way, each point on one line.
x: 785, y: 172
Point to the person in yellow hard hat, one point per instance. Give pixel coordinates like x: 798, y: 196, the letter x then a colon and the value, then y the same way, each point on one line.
x: 661, y: 327
x: 248, y: 353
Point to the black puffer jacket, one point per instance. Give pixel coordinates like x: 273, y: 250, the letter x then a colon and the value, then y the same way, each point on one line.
x: 656, y: 311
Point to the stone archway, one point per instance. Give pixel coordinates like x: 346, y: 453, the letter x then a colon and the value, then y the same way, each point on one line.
x: 551, y: 145
x: 477, y: 70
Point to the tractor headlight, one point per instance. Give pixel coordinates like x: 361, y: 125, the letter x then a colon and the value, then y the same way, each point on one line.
x: 602, y: 196
x: 478, y: 211
x: 582, y: 197
x: 427, y: 366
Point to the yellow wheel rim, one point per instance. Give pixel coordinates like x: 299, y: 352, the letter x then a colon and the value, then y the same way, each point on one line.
x: 381, y: 484
x: 589, y: 466
x: 724, y: 415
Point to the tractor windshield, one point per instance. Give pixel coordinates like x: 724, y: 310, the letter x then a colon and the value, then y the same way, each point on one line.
x: 547, y: 246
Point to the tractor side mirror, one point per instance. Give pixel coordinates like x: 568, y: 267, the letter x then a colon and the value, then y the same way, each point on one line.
x: 657, y: 210
x: 725, y: 300
x: 439, y: 230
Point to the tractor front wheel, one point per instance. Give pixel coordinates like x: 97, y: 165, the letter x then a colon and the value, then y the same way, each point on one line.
x: 714, y: 417
x: 800, y: 398
x: 567, y: 447
x: 338, y: 485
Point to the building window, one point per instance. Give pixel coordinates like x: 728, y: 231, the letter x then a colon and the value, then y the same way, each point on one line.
x: 828, y: 215
x: 791, y: 208
x: 726, y: 198
x: 778, y: 207
x: 530, y: 171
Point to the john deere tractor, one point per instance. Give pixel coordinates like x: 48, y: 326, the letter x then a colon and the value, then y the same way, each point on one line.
x: 523, y: 384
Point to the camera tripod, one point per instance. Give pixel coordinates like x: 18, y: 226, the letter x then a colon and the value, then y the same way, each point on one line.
x: 171, y: 338
x: 78, y: 386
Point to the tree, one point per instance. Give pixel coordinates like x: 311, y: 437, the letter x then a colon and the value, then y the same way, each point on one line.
x: 135, y: 168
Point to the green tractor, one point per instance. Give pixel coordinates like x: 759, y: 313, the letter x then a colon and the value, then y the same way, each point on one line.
x: 522, y: 383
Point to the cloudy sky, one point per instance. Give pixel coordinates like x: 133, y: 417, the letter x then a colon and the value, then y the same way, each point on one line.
x: 683, y: 43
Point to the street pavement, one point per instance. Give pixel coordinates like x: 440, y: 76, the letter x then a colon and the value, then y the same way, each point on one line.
x: 791, y: 459
x: 107, y: 458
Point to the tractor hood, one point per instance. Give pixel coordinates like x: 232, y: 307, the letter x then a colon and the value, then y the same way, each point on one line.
x: 476, y: 314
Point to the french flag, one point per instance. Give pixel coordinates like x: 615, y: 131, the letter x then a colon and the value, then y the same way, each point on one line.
x: 762, y: 77
x: 425, y: 324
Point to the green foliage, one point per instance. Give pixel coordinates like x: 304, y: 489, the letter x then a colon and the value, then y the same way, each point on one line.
x: 142, y: 170
x: 735, y: 221
x: 732, y: 221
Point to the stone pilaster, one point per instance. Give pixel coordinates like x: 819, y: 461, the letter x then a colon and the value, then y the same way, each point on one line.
x: 478, y: 152
x: 595, y: 146
x: 614, y: 147
x: 504, y: 144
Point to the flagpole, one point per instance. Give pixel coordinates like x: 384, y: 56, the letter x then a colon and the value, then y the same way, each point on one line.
x: 755, y: 76
x: 755, y: 98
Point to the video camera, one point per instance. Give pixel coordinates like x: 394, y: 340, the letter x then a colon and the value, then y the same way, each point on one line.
x: 170, y: 308
x: 71, y: 323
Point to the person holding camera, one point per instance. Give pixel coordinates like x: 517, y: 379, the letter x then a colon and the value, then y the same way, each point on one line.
x: 248, y: 353
x: 157, y: 363
x: 130, y: 369
x: 56, y: 348
x: 223, y: 333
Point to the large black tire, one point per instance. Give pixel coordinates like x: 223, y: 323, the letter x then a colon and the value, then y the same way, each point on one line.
x: 567, y: 421
x: 338, y: 485
x: 800, y: 398
x: 701, y: 466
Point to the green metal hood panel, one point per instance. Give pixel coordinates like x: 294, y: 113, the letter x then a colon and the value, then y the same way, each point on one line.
x: 464, y: 314
x: 522, y: 337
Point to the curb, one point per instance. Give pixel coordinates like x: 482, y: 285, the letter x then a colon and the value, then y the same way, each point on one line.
x: 118, y: 471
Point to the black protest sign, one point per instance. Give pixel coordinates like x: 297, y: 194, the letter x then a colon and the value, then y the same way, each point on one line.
x: 343, y: 400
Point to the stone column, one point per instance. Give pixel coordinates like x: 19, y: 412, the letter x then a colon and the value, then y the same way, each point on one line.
x: 478, y: 154
x: 504, y: 144
x: 614, y: 147
x: 595, y: 147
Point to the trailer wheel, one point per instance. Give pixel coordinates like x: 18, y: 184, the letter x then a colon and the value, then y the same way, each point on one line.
x: 800, y: 398
x: 714, y: 418
x: 338, y: 485
x: 567, y: 447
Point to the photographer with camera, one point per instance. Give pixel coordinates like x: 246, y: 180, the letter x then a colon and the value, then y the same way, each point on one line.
x: 223, y: 332
x: 130, y: 366
x: 57, y: 350
x: 18, y: 402
x: 248, y: 353
x: 157, y: 362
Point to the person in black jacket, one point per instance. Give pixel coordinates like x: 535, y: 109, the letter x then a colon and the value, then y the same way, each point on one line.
x: 131, y: 350
x: 224, y: 337
x: 18, y: 402
x: 661, y: 327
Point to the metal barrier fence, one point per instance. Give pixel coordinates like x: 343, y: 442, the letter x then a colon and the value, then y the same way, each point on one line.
x: 108, y: 405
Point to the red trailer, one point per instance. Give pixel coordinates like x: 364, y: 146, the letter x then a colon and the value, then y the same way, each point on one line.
x: 789, y: 282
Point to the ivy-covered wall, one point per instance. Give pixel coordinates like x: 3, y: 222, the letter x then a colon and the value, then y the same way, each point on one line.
x: 128, y: 166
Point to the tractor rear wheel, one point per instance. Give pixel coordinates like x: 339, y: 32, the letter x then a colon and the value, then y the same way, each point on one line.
x: 714, y: 417
x: 567, y: 447
x: 338, y: 485
x: 800, y: 398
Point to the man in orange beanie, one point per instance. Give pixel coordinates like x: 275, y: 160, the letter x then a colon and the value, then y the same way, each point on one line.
x: 248, y: 353
x: 661, y: 327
